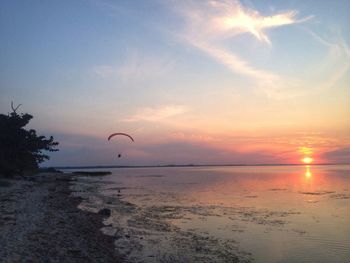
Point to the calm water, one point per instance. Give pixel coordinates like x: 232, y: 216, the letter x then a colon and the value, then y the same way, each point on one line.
x: 214, y: 214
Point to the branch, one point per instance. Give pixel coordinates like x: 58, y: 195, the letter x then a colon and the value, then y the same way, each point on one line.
x: 13, y: 108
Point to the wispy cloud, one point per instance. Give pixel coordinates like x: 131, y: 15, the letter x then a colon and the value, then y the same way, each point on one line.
x: 339, y: 155
x: 273, y: 85
x: 105, y: 71
x: 180, y: 152
x: 337, y: 60
x: 136, y: 67
x: 156, y: 114
x: 210, y: 23
x: 230, y: 18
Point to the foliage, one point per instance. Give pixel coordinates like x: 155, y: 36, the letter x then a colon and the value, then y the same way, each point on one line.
x: 21, y: 149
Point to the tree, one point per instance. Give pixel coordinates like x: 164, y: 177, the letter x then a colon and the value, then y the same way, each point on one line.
x: 21, y: 149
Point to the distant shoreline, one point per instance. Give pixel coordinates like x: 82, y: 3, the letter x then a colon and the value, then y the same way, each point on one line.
x: 185, y: 165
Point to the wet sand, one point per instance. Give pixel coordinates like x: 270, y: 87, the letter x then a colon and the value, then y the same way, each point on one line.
x: 40, y: 222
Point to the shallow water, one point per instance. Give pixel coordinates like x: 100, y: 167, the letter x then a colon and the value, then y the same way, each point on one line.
x: 225, y: 214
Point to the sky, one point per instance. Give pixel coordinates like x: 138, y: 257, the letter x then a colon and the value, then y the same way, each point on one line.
x: 194, y: 82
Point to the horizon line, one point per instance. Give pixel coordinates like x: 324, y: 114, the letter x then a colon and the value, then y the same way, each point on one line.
x: 184, y: 165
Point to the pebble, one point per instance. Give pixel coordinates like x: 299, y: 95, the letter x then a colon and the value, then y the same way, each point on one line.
x: 105, y: 212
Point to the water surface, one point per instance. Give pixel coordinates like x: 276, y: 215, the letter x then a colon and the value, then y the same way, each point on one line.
x: 225, y: 214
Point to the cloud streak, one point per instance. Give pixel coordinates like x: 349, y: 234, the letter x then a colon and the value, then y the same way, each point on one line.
x: 230, y: 17
x: 337, y: 60
x: 210, y: 23
x: 340, y: 155
x: 156, y: 114
x: 136, y: 67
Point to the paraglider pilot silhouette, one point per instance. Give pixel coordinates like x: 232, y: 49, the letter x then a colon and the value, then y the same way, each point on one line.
x: 120, y: 134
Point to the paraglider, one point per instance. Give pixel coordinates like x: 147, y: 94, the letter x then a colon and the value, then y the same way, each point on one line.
x: 122, y: 134
x: 119, y: 133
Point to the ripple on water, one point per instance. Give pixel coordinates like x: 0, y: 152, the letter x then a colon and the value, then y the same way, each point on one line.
x: 341, y: 247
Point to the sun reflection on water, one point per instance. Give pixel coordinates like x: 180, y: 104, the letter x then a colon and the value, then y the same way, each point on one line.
x: 308, y: 173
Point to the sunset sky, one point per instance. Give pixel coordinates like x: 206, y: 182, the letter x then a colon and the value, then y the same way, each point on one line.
x: 202, y: 82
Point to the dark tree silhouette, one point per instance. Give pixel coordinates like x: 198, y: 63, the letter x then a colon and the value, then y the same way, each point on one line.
x: 21, y: 149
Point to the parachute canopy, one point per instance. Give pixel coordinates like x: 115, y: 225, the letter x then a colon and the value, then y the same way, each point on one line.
x: 119, y: 133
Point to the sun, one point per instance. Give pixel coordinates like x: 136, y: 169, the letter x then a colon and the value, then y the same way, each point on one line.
x: 307, y: 160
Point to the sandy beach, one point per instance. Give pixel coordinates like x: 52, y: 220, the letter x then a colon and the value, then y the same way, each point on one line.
x: 40, y: 222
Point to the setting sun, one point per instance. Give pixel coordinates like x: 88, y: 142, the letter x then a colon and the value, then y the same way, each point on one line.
x: 307, y: 160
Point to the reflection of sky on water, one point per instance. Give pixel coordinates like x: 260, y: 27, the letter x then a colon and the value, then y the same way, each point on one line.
x: 227, y: 185
x: 287, y: 213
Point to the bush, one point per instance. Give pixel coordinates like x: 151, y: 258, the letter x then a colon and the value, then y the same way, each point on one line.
x: 21, y: 149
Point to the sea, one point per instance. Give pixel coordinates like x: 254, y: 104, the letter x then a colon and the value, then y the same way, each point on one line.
x: 224, y: 213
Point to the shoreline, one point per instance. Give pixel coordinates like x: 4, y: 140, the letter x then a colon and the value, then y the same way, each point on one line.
x: 189, y: 165
x: 40, y: 222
